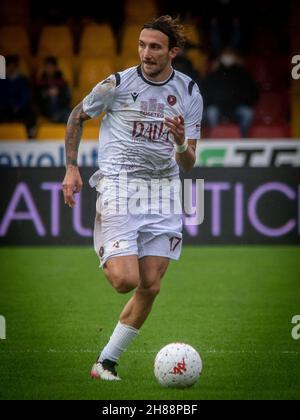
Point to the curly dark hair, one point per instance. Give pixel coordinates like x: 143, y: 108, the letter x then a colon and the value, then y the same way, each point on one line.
x: 170, y: 27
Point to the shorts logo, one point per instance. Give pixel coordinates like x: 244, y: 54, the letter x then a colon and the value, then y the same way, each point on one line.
x: 174, y: 242
x: 101, y: 252
x: 116, y: 245
x: 112, y: 247
x: 172, y: 100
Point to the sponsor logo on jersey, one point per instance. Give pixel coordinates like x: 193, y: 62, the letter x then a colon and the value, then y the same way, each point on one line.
x: 152, y: 108
x: 150, y: 132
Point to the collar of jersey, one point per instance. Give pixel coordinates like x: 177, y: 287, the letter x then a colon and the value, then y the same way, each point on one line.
x: 140, y: 73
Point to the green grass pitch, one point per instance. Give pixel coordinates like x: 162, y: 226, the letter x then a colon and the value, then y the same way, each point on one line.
x: 233, y: 304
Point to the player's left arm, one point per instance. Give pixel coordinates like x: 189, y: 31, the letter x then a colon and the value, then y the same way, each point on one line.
x: 186, y: 131
x: 186, y: 154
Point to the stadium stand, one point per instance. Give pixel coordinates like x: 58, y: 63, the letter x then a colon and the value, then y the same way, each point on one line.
x: 64, y: 64
x: 13, y: 131
x: 225, y: 131
x: 19, y: 14
x: 271, y: 108
x: 126, y: 62
x: 90, y: 133
x: 48, y: 132
x: 56, y: 41
x: 295, y: 113
x: 192, y: 34
x: 129, y: 40
x: 101, y: 52
x: 274, y: 131
x: 14, y: 40
x: 93, y: 71
x: 270, y: 72
x: 134, y: 13
x: 98, y: 41
x: 199, y: 60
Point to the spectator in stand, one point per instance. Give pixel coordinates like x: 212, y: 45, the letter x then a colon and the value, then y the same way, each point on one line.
x: 230, y: 93
x: 16, y: 97
x: 53, y: 93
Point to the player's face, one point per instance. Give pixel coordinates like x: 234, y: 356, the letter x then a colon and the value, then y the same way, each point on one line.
x: 155, y: 55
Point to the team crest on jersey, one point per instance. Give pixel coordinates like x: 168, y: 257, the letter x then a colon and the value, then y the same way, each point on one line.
x: 172, y: 100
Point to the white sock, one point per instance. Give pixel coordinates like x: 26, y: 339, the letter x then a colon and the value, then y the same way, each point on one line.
x: 120, y: 340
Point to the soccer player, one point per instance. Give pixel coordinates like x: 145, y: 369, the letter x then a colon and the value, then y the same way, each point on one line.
x: 152, y: 123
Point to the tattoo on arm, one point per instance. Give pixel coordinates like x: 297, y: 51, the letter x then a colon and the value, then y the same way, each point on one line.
x: 74, y: 133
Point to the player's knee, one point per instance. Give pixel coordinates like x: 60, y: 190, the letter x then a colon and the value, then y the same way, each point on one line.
x: 154, y: 291
x: 124, y: 288
x: 151, y: 291
x: 124, y: 283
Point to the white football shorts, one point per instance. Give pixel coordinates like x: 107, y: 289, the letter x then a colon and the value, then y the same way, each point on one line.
x: 135, y: 219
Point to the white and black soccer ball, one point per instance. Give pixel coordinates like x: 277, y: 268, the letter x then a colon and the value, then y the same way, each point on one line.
x: 177, y: 365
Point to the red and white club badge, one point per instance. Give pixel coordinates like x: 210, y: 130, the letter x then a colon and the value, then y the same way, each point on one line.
x: 172, y: 100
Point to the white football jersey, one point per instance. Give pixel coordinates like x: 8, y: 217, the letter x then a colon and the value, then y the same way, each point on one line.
x: 133, y: 136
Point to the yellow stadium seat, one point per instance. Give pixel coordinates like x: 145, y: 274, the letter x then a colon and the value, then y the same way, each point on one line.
x: 49, y: 131
x: 126, y: 62
x: 14, y: 40
x: 192, y: 34
x: 56, y: 41
x: 13, y: 131
x: 92, y: 71
x: 140, y: 12
x: 78, y: 95
x: 91, y: 128
x: 98, y: 41
x: 90, y: 133
x: 66, y: 68
x: 199, y: 60
x: 94, y: 122
x: 130, y: 40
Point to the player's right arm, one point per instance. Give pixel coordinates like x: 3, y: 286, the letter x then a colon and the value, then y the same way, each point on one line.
x: 98, y: 100
x: 72, y: 182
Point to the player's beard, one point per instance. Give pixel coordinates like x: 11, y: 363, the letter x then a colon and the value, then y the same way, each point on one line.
x: 157, y: 70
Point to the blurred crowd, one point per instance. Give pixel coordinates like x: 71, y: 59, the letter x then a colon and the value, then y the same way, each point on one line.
x: 48, y: 96
x: 243, y: 74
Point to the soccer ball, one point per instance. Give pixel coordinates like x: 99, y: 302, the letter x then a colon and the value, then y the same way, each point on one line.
x: 177, y: 365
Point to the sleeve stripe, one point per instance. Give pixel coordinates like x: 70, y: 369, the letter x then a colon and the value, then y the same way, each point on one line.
x: 118, y: 79
x: 191, y: 85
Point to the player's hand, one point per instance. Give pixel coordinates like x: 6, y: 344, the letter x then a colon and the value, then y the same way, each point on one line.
x: 176, y: 126
x: 72, y: 184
